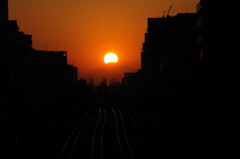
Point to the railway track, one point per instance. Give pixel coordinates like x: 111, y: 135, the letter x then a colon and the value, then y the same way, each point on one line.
x: 105, y: 131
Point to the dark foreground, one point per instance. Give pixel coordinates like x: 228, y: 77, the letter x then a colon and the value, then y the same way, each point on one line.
x: 111, y: 125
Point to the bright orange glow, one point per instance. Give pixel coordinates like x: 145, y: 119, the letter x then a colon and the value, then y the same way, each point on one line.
x: 110, y: 57
x: 89, y: 29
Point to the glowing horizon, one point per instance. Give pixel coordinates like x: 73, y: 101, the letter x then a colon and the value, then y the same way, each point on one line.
x: 89, y: 29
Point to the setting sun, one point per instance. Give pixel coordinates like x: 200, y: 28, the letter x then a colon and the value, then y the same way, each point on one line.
x: 110, y: 57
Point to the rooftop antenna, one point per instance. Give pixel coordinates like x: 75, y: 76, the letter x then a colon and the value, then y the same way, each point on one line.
x: 169, y: 10
x: 164, y: 12
x: 173, y: 10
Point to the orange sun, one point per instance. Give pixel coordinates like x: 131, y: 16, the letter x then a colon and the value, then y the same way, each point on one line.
x: 110, y: 58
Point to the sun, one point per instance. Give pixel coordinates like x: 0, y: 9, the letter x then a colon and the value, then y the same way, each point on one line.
x: 110, y: 58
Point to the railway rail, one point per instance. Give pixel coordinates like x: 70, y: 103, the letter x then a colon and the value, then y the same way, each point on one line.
x: 105, y: 131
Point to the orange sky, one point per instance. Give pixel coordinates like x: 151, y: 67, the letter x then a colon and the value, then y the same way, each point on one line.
x: 88, y: 29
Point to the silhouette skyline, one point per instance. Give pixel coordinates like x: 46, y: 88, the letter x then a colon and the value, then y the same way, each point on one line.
x: 183, y: 102
x: 113, y: 27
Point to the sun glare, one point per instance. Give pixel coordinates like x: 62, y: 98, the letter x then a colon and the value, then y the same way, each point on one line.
x: 110, y: 58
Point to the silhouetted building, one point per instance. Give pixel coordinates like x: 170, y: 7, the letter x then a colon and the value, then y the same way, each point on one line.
x: 168, y: 58
x: 50, y: 72
x: 71, y: 79
x: 53, y: 78
x: 3, y: 11
x: 129, y: 79
x: 177, y: 69
x: 217, y: 76
x: 82, y: 83
x: 155, y: 47
x: 3, y: 48
x: 29, y: 80
x: 21, y: 56
x: 218, y: 46
x: 15, y: 67
x: 5, y: 123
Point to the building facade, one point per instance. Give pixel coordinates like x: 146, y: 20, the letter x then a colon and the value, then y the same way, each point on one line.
x: 30, y: 82
x: 168, y: 57
x: 218, y: 42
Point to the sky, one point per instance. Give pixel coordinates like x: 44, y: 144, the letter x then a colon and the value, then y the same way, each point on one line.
x: 88, y: 29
